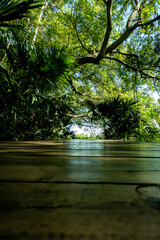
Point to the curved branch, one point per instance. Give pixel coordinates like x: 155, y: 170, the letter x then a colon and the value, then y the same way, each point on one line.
x: 109, y: 28
x: 126, y: 34
x: 75, y: 29
x: 133, y: 68
x: 133, y: 14
x: 128, y: 55
x: 79, y: 116
x: 120, y: 40
x: 81, y: 43
x: 105, y: 51
x: 77, y: 92
x: 87, y: 59
x: 150, y: 22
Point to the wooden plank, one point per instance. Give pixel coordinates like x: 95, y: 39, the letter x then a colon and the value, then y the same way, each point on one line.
x: 79, y: 190
x: 96, y: 196
x: 83, y: 153
x: 77, y: 174
x: 81, y: 148
x: 50, y: 161
x: 41, y: 195
x: 76, y: 224
x: 60, y: 211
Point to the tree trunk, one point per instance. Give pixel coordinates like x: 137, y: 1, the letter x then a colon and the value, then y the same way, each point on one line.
x: 126, y: 136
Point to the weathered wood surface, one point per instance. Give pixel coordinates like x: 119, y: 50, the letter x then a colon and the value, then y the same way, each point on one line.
x: 79, y: 190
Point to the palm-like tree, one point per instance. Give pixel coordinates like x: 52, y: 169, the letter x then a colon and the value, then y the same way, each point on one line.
x: 12, y: 10
x: 31, y: 106
x: 121, y: 117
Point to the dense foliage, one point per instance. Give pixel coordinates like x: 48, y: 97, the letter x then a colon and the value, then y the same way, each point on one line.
x: 86, y: 63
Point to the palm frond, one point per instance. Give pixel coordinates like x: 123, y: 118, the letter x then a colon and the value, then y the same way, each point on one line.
x: 12, y: 10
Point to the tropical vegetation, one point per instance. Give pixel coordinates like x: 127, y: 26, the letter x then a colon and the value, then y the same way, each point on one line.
x: 84, y: 63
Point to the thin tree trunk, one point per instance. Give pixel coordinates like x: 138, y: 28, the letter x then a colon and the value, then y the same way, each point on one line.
x: 126, y: 136
x: 39, y: 19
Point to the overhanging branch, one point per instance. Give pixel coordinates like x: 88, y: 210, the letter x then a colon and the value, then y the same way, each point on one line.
x: 150, y: 22
x: 104, y: 51
x: 79, y: 39
x: 133, y: 68
x: 79, y: 116
x: 75, y: 29
x: 77, y: 92
x: 128, y: 55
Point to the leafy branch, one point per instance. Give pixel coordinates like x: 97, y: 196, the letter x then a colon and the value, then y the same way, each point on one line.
x: 130, y: 28
x: 133, y: 68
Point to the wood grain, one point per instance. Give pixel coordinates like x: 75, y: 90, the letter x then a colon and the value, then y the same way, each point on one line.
x: 79, y: 190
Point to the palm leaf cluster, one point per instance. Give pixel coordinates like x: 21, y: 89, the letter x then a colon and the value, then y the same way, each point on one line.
x: 12, y: 10
x: 32, y: 106
x: 120, y: 117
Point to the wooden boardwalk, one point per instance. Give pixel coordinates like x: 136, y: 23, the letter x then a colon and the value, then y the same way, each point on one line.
x: 79, y: 190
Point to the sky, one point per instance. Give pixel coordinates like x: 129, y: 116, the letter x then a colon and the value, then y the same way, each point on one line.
x: 156, y: 96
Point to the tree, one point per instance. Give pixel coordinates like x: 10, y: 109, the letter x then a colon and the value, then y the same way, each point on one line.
x: 119, y: 115
x: 31, y: 104
x: 108, y: 31
x: 111, y: 47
